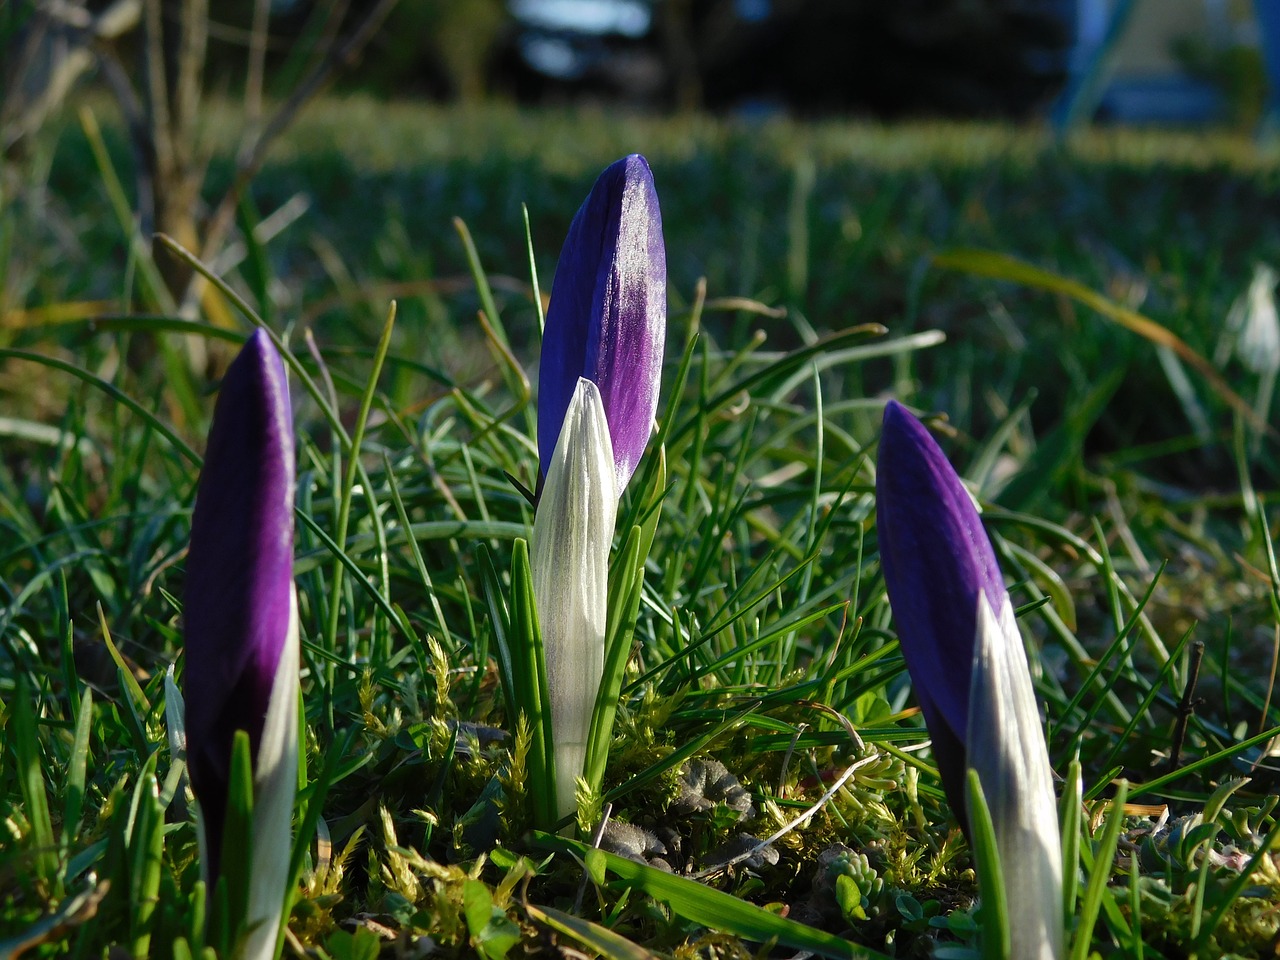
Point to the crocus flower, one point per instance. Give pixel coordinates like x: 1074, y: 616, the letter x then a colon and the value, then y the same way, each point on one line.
x: 969, y: 669
x: 569, y: 564
x: 608, y: 314
x: 598, y: 391
x: 241, y: 627
x: 1253, y: 320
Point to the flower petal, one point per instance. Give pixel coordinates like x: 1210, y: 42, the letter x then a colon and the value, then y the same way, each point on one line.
x: 936, y: 559
x: 1006, y: 746
x: 608, y: 313
x: 569, y: 563
x: 275, y: 783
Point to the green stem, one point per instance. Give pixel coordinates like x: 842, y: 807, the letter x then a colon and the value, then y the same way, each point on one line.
x: 344, y: 503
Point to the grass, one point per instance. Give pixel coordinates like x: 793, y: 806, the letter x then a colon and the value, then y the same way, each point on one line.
x: 1130, y: 535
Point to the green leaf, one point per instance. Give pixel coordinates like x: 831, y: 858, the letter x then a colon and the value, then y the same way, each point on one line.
x: 715, y: 910
x: 477, y: 905
x: 500, y: 624
x: 77, y: 768
x: 363, y: 944
x: 1070, y: 818
x: 1099, y: 875
x: 127, y: 680
x: 624, y: 605
x: 529, y: 665
x: 237, y: 837
x: 492, y: 932
x: 26, y: 749
x: 601, y: 940
x: 146, y: 853
x: 996, y: 939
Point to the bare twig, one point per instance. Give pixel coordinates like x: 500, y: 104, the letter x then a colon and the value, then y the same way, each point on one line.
x: 596, y: 836
x: 56, y: 52
x: 134, y: 114
x: 193, y: 41
x: 788, y: 827
x: 251, y: 158
x: 156, y: 91
x: 257, y: 63
x: 822, y: 801
x: 1187, y: 706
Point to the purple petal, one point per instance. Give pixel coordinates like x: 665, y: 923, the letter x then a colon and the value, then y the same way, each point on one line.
x: 239, y: 572
x: 608, y: 314
x: 936, y: 558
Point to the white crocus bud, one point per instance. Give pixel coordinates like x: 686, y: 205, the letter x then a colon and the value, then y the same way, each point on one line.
x: 1254, y: 318
x: 1005, y: 745
x: 572, y: 534
x: 275, y: 781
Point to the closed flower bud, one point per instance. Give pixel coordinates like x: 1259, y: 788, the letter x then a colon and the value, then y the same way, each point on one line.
x: 241, y: 627
x: 569, y: 564
x: 969, y: 669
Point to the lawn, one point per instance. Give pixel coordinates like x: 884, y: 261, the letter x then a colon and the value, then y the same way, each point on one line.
x: 1060, y: 311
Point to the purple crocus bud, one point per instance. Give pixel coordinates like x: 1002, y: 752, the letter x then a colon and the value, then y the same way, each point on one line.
x: 936, y: 559
x: 608, y: 315
x: 969, y: 670
x: 241, y: 625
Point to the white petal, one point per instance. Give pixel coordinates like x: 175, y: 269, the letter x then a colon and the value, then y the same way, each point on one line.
x: 569, y: 562
x: 1259, y: 343
x: 275, y: 781
x: 1005, y: 744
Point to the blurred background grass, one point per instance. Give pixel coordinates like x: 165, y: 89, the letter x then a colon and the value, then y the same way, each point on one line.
x: 835, y: 222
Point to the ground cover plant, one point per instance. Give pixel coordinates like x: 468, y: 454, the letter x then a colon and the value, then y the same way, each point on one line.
x: 1028, y: 294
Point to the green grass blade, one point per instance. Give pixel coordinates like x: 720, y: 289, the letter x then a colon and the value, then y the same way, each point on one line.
x: 1070, y: 816
x: 237, y: 837
x: 500, y: 624
x: 1100, y: 875
x: 26, y: 748
x: 533, y: 270
x: 113, y: 392
x: 624, y: 604
x: 77, y: 767
x: 1000, y: 266
x: 348, y: 486
x: 996, y: 938
x: 146, y: 859
x: 533, y: 697
x: 597, y: 939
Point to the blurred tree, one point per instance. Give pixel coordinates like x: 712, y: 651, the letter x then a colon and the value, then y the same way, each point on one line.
x: 175, y: 34
x: 441, y: 47
x: 963, y: 57
x: 464, y: 35
x: 681, y: 53
x: 159, y: 84
x: 959, y: 57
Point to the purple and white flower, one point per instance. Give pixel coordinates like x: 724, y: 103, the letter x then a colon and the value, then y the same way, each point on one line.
x: 600, y: 374
x: 240, y: 619
x: 969, y: 670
